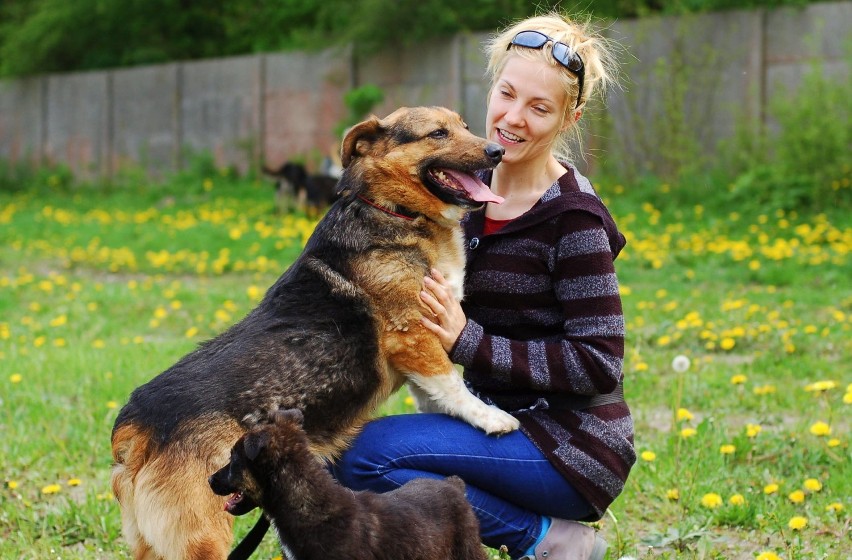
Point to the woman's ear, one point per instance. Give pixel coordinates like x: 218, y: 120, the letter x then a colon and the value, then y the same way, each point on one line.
x: 575, y: 116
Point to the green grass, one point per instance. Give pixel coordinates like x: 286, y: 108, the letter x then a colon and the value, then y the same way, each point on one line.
x: 103, y: 288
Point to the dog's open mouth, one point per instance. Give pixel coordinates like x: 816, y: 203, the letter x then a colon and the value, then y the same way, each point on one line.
x: 461, y: 184
x: 238, y: 504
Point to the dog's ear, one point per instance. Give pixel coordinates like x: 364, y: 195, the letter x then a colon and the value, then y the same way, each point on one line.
x: 358, y: 140
x: 290, y: 415
x: 254, y: 443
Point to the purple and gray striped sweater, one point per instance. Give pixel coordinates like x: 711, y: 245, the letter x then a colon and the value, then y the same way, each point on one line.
x: 544, y: 322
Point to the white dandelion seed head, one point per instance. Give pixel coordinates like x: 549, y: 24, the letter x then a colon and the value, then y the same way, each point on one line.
x: 680, y: 363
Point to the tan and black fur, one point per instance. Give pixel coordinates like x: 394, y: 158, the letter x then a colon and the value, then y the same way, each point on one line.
x: 335, y: 335
x: 317, y: 519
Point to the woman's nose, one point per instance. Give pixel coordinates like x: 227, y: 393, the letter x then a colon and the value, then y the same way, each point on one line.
x: 514, y: 115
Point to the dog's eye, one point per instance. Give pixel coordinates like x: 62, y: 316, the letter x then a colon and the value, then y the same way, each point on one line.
x: 439, y: 134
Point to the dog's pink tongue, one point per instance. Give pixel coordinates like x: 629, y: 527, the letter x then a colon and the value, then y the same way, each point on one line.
x: 476, y: 189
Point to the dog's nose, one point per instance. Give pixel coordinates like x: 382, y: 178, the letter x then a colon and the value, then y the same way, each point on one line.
x: 494, y: 152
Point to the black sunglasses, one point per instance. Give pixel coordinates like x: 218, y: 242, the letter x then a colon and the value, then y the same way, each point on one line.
x: 563, y: 54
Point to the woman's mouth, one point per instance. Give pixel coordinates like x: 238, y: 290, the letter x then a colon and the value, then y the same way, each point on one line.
x: 508, y: 137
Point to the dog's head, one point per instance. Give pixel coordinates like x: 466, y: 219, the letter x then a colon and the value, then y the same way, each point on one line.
x: 422, y: 158
x: 239, y: 478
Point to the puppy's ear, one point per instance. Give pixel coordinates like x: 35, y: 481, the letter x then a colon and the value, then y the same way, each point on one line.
x: 358, y: 140
x: 254, y: 443
x: 290, y: 415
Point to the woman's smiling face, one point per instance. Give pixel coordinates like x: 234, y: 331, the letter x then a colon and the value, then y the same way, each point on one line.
x: 526, y: 109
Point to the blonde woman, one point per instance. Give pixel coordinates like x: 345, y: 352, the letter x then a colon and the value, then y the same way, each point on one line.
x: 540, y: 333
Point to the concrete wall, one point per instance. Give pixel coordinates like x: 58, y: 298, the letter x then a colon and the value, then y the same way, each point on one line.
x: 690, y: 82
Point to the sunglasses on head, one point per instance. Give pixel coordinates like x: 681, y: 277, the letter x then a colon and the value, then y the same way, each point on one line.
x: 562, y: 53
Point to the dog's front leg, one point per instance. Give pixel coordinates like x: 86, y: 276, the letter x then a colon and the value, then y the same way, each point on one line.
x: 447, y: 393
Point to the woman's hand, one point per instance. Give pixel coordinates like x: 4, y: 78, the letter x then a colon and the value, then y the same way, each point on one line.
x: 448, y: 319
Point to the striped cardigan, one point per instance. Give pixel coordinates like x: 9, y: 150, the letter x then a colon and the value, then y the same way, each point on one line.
x: 545, y: 322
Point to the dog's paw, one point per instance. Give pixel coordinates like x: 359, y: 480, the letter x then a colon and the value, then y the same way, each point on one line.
x: 497, y: 422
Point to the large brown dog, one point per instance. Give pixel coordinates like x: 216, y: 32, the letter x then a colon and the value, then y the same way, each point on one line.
x: 317, y: 519
x: 336, y: 335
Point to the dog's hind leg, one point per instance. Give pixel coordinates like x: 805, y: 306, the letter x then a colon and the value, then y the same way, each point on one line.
x: 447, y: 393
x: 176, y: 512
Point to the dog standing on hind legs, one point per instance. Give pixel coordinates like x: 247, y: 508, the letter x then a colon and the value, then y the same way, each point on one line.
x: 336, y: 335
x: 317, y: 518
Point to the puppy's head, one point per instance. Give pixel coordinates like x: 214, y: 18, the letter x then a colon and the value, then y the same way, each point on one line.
x: 422, y: 158
x: 243, y: 477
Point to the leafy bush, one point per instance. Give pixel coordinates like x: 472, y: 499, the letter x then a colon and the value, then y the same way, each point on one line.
x: 802, y: 158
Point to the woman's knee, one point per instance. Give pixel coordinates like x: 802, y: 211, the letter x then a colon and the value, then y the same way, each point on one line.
x: 360, y: 467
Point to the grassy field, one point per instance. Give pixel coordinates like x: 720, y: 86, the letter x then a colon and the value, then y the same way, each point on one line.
x: 737, y: 365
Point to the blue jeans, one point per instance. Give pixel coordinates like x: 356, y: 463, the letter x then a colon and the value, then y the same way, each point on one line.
x: 510, y: 483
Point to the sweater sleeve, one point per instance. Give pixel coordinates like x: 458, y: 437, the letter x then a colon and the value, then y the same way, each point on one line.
x: 586, y: 357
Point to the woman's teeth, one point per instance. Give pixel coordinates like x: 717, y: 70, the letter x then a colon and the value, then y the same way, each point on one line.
x: 510, y: 137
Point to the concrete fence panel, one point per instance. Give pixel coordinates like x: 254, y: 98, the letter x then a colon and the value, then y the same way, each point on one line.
x: 220, y: 109
x: 78, y: 123
x: 145, y: 117
x: 22, y: 120
x: 303, y: 103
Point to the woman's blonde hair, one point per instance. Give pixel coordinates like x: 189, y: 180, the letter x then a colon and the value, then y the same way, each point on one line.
x: 596, y: 52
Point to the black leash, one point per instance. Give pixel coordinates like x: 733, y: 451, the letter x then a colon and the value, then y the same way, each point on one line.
x: 251, y: 541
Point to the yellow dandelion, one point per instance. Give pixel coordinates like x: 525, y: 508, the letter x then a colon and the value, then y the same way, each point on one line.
x: 160, y: 313
x: 736, y: 500
x: 60, y: 343
x: 191, y: 332
x: 74, y: 482
x: 727, y: 343
x: 51, y: 489
x: 648, y: 456
x: 711, y: 500
x: 59, y: 321
x: 835, y: 507
x: 641, y: 366
x: 797, y: 523
x: 98, y: 343
x: 738, y: 379
x: 727, y: 449
x: 175, y: 304
x: 833, y: 442
x: 673, y: 494
x: 765, y: 390
x: 664, y: 340
x: 770, y: 489
x: 683, y: 414
x: 797, y: 496
x: 820, y: 429
x: 752, y: 430
x: 767, y: 555
x: 111, y: 404
x: 847, y: 398
x: 12, y: 484
x: 820, y: 386
x: 813, y: 485
x: 15, y: 378
x: 409, y: 401
x: 688, y: 432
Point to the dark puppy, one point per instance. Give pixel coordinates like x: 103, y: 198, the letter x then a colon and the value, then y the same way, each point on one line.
x: 296, y: 189
x: 316, y: 518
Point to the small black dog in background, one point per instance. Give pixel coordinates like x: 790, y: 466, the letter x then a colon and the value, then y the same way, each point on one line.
x: 316, y: 518
x: 296, y: 189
